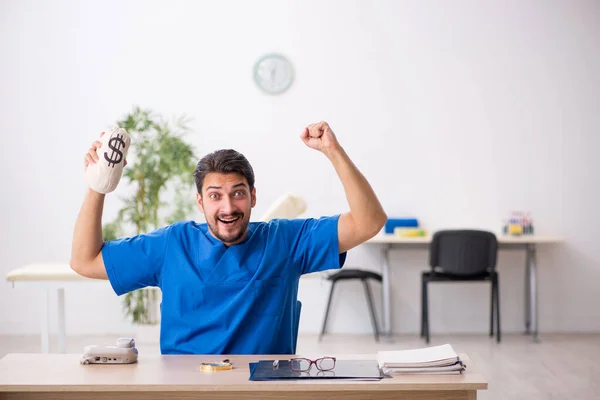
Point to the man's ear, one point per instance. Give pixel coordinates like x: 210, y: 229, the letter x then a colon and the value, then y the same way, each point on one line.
x: 253, y: 198
x: 199, y: 202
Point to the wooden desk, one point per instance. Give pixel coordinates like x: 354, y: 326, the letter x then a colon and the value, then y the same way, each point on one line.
x: 527, y: 242
x: 53, y: 376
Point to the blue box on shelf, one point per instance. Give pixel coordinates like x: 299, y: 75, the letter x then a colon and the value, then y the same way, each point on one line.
x: 393, y: 223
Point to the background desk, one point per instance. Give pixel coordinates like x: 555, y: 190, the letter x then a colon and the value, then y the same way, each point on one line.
x: 52, y: 278
x: 526, y: 242
x: 45, y: 376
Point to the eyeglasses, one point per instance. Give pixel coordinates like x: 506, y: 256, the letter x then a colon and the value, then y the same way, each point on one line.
x: 305, y: 364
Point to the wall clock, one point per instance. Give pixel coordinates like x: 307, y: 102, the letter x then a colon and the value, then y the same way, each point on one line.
x: 273, y: 73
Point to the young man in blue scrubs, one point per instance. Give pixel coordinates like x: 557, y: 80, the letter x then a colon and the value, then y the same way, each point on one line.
x: 229, y: 286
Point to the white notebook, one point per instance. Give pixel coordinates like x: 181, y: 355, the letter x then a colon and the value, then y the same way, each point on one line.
x: 422, y: 371
x: 435, y: 356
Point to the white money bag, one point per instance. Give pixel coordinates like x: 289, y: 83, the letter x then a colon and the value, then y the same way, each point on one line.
x: 104, y: 175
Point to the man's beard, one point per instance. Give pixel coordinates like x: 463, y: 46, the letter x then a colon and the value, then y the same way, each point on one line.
x: 221, y: 232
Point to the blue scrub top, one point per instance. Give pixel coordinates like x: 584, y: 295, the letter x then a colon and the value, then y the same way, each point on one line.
x: 219, y: 300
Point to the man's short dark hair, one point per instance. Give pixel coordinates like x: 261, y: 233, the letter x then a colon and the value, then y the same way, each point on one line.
x: 226, y: 161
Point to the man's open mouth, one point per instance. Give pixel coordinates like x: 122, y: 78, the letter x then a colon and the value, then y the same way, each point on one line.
x: 229, y: 221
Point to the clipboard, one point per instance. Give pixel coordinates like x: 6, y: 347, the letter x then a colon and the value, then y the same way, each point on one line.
x: 367, y: 370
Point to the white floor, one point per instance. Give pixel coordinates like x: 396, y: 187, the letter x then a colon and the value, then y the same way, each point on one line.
x: 561, y: 366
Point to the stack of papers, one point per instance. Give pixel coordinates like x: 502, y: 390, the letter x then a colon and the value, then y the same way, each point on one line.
x: 429, y: 360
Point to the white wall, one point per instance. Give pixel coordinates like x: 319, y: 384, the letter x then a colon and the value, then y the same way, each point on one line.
x: 457, y: 112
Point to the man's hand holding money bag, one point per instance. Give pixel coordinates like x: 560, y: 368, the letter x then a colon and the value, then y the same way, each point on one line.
x: 105, y: 160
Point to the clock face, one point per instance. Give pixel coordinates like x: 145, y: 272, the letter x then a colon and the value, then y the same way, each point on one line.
x: 273, y: 73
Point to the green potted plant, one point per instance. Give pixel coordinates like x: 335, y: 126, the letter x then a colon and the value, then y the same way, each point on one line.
x: 160, y: 166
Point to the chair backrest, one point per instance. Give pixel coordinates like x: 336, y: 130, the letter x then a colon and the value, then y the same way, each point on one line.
x: 463, y: 252
x: 288, y: 206
x: 297, y: 311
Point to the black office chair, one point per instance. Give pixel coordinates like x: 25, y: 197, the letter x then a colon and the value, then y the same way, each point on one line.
x: 462, y: 255
x: 348, y: 274
x: 297, y: 311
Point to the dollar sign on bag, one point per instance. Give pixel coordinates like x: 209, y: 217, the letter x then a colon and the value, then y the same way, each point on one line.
x: 116, y: 156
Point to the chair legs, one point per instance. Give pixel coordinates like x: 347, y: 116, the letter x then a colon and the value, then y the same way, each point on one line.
x: 425, y: 310
x: 494, y: 309
x: 327, y: 311
x: 423, y: 307
x: 371, y: 309
x: 497, y: 291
